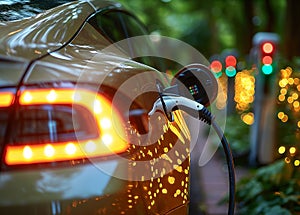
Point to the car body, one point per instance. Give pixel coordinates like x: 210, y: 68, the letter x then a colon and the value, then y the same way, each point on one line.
x: 72, y: 142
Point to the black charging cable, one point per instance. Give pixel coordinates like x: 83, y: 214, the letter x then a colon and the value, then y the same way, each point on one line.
x: 230, y: 165
x: 207, y: 117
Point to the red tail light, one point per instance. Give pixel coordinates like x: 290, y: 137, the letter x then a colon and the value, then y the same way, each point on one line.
x: 6, y: 99
x: 64, y: 124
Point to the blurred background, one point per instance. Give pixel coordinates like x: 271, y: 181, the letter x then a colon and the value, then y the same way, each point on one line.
x: 253, y: 48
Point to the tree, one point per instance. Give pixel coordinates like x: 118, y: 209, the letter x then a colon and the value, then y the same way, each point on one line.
x: 292, y: 31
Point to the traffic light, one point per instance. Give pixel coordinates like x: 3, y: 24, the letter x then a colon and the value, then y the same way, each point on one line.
x: 262, y: 139
x: 230, y: 62
x: 216, y: 68
x: 268, y: 51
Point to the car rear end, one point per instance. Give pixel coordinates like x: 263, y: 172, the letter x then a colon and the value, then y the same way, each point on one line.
x: 70, y: 145
x: 66, y: 148
x: 53, y: 136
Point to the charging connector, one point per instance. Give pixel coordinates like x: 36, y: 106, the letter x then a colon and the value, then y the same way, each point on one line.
x: 168, y: 103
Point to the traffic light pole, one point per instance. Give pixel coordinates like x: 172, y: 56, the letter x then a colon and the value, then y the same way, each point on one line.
x: 262, y: 135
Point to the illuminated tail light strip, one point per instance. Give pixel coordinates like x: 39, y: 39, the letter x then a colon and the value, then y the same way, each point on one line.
x: 110, y: 141
x: 52, y: 152
x: 6, y: 99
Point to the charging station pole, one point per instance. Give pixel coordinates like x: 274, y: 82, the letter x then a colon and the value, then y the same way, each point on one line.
x: 262, y: 132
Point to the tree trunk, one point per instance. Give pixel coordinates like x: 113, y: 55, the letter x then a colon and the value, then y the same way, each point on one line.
x: 291, y: 41
x: 248, y: 30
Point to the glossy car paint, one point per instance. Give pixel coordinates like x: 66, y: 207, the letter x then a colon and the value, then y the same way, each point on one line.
x: 57, y: 49
x: 36, y: 36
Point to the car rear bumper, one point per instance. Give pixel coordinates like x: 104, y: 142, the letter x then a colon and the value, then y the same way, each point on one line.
x: 82, y: 189
x: 92, y: 189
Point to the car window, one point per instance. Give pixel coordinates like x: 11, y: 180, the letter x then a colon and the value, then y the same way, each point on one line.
x: 134, y: 28
x: 110, y: 25
x: 118, y: 25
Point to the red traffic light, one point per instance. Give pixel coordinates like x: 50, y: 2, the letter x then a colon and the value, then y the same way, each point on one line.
x: 267, y: 60
x: 216, y: 66
x: 267, y: 47
x: 230, y: 60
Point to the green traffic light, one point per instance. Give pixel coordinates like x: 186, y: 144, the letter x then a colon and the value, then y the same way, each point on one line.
x: 230, y: 71
x: 267, y: 69
x: 218, y: 75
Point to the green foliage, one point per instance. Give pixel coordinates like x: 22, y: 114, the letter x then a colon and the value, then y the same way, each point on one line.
x: 271, y: 190
x: 288, y: 116
x: 238, y: 133
x: 211, y: 26
x: 288, y: 129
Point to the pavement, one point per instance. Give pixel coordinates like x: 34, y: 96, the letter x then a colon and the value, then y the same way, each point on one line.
x: 209, y: 182
x: 215, y: 183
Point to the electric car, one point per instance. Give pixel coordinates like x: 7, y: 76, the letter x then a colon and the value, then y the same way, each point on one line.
x: 75, y: 133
